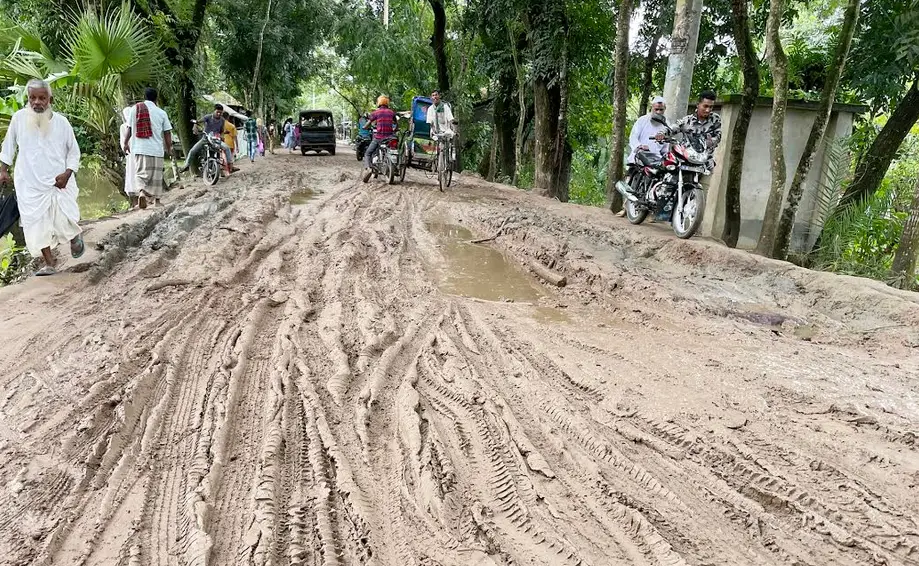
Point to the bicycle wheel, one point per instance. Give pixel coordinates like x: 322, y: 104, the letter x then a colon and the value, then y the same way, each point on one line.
x: 403, y: 162
x: 442, y: 169
x: 211, y: 171
x: 449, y: 162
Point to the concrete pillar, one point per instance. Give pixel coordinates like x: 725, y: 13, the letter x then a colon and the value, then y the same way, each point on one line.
x: 683, y: 44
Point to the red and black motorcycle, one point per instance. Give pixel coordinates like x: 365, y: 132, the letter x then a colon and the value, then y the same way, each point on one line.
x: 669, y: 187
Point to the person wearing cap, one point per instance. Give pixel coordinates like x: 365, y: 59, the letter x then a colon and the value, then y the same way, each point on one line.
x: 644, y: 132
x: 384, y: 120
x: 645, y: 129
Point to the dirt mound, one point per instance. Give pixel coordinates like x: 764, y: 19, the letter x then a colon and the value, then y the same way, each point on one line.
x: 297, y: 368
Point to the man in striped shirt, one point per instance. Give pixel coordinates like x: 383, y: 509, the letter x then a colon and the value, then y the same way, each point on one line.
x: 385, y: 121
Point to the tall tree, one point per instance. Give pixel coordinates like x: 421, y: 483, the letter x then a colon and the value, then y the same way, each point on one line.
x: 885, y: 60
x: 180, y: 30
x: 903, y: 270
x: 749, y: 63
x: 834, y: 73
x: 873, y: 165
x: 439, y: 44
x: 620, y: 95
x: 778, y: 64
x: 547, y: 22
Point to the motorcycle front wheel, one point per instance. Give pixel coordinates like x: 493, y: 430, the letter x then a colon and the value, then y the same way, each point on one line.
x: 635, y: 213
x: 688, y: 214
x: 211, y: 171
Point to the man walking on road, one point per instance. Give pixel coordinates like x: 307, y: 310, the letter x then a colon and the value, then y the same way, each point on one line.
x: 149, y: 131
x: 46, y: 190
x: 251, y: 136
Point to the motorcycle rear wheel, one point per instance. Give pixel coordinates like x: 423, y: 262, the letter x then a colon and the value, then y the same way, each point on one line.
x: 688, y: 214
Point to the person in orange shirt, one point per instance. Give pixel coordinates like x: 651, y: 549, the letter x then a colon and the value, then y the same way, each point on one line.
x: 229, y: 138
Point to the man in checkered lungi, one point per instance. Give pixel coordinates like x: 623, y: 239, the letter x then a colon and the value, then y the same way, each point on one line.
x: 148, y: 130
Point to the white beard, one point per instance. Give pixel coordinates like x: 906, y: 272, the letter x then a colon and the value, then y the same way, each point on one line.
x: 39, y: 122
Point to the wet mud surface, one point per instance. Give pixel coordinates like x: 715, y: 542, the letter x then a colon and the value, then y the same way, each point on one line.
x: 294, y: 367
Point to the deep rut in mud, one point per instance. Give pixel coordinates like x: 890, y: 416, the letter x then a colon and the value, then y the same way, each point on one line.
x: 297, y: 368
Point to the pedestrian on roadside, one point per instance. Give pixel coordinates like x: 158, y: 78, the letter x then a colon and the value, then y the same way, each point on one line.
x: 262, y: 136
x: 46, y: 155
x: 149, y: 133
x: 272, y: 132
x: 289, y: 134
x: 130, y: 178
x: 297, y: 129
x: 229, y: 138
x: 251, y: 136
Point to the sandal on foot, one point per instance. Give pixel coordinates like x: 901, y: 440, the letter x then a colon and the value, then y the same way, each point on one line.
x: 44, y: 271
x: 77, y: 247
x: 142, y: 202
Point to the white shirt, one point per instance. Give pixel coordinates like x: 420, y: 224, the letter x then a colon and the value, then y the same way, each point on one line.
x: 642, y: 131
x: 441, y: 121
x: 159, y: 123
x: 40, y: 159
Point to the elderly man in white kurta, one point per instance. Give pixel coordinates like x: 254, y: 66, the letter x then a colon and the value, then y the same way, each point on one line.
x: 48, y: 157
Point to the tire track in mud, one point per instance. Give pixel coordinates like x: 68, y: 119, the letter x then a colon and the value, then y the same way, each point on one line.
x: 318, y: 401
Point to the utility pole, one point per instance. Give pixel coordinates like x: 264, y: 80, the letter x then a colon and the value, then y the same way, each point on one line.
x: 386, y: 14
x: 683, y: 44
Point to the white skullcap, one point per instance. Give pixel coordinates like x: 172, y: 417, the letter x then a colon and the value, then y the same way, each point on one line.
x: 658, y: 100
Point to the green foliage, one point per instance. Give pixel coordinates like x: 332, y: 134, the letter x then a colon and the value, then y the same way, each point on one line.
x: 15, y: 261
x: 588, y: 185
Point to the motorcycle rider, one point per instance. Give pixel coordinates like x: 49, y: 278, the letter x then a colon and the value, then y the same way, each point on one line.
x: 213, y: 126
x: 385, y: 121
x: 703, y: 123
x: 640, y: 138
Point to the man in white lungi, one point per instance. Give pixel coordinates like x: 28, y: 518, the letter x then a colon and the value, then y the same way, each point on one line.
x: 130, y: 173
x: 148, y: 130
x: 48, y: 157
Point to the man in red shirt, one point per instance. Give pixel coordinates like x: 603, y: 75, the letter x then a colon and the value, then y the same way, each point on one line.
x: 385, y: 121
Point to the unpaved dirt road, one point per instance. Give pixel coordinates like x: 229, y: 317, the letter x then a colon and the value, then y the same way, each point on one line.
x: 296, y: 368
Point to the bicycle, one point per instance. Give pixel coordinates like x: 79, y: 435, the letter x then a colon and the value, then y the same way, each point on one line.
x: 444, y: 159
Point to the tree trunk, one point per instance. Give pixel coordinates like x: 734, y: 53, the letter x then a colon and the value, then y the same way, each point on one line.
x: 778, y: 64
x: 187, y: 111
x: 547, y: 97
x: 903, y: 270
x: 620, y: 95
x: 258, y: 59
x: 439, y: 44
x: 873, y: 165
x: 562, y: 148
x: 749, y: 63
x: 787, y: 219
x: 521, y: 103
x: 647, y: 78
x: 505, y: 116
x: 493, y: 156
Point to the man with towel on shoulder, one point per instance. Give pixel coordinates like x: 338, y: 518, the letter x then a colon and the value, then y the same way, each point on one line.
x: 46, y: 190
x: 148, y: 130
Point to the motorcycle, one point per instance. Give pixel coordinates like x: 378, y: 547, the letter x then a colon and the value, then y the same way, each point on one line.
x: 387, y: 161
x: 669, y: 187
x: 361, y: 147
x: 212, y: 158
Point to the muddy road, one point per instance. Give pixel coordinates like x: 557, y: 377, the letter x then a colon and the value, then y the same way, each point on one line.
x: 297, y: 368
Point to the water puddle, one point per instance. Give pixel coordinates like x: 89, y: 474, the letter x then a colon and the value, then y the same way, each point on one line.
x: 479, y: 271
x: 302, y: 196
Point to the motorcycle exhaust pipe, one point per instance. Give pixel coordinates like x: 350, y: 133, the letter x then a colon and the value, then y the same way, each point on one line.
x: 624, y: 190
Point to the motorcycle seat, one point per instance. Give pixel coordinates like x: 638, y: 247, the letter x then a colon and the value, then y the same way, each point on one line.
x: 647, y: 158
